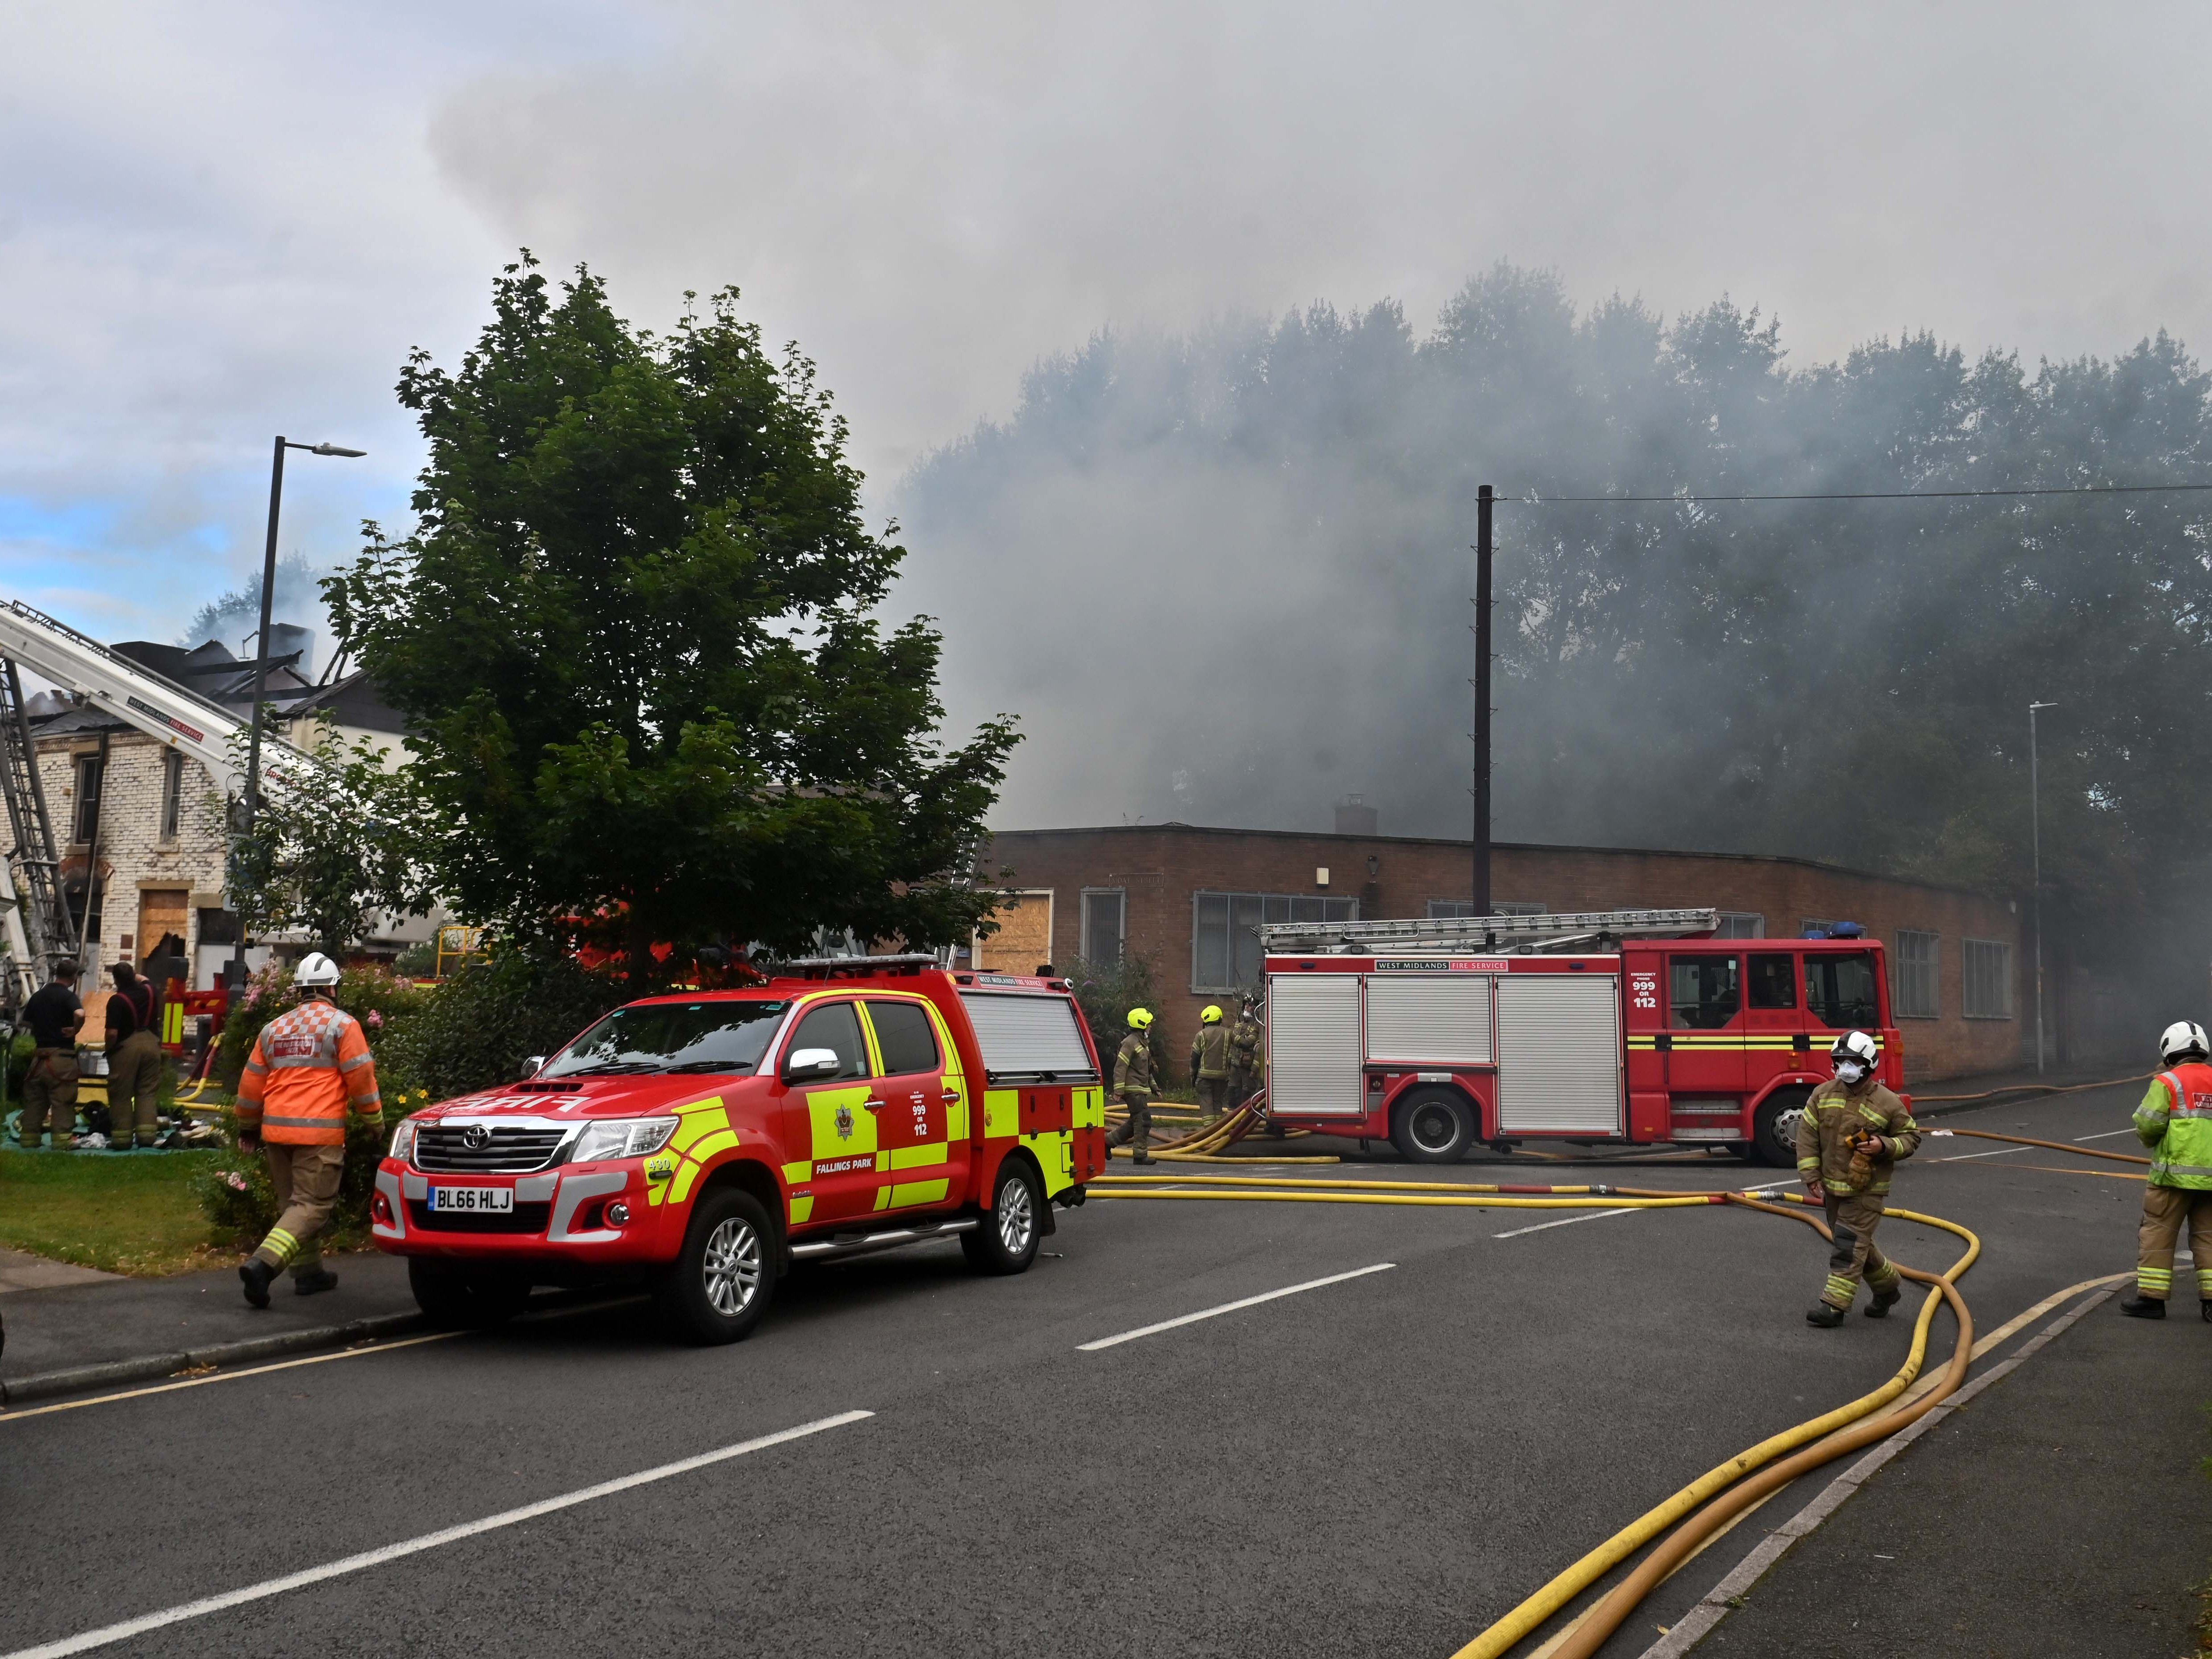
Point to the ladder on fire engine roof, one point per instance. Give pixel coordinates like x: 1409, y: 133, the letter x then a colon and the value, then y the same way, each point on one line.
x: 1521, y: 935
x: 37, y: 924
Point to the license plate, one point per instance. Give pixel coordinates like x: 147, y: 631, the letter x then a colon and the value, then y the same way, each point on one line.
x: 481, y: 1200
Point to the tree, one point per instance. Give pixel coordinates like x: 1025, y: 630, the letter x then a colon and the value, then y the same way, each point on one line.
x: 632, y: 633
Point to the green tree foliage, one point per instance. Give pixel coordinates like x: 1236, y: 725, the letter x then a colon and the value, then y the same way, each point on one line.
x: 632, y: 634
x: 1105, y: 992
x: 1843, y: 680
x: 475, y: 1028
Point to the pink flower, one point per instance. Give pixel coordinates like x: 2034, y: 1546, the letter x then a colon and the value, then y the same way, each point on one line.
x: 237, y: 1181
x: 375, y: 1020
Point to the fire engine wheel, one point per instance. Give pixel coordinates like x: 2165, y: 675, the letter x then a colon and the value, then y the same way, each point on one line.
x: 1774, y: 1127
x: 1005, y: 1241
x: 719, y: 1286
x: 456, y: 1298
x: 1432, y: 1126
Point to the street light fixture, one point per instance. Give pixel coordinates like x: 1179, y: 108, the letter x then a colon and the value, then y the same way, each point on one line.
x: 2035, y: 843
x: 261, y: 658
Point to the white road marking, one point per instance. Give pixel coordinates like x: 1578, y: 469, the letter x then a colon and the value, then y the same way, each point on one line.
x: 376, y: 1558
x: 1205, y: 1313
x: 2001, y: 1152
x: 2108, y: 1135
x: 1595, y: 1215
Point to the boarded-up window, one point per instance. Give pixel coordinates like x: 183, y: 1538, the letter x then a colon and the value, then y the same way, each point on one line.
x: 1024, y: 940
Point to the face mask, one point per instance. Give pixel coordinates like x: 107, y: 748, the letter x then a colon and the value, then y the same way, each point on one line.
x: 1848, y: 1072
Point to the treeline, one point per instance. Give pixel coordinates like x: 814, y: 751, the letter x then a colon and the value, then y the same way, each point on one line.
x: 1231, y: 580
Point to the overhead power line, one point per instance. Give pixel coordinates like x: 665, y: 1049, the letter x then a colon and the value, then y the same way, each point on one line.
x: 1859, y: 495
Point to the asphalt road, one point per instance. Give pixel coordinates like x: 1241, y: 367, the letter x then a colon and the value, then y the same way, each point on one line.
x: 1380, y: 1466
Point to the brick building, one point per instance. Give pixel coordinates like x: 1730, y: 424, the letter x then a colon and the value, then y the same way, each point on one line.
x: 1188, y: 899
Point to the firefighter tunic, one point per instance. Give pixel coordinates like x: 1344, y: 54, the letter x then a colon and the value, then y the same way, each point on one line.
x: 1834, y: 1118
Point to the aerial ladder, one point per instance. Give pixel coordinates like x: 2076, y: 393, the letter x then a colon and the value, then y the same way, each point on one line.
x: 1520, y: 934
x: 37, y: 928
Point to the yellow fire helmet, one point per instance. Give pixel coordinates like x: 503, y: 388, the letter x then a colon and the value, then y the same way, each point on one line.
x: 1213, y: 1014
x: 1139, y: 1019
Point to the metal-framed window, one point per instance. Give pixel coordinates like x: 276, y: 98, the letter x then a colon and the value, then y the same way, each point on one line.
x: 1740, y: 924
x: 1813, y: 925
x: 1989, y: 979
x: 1224, y: 932
x: 1442, y: 909
x: 1914, y: 993
x: 172, y: 792
x: 1105, y: 924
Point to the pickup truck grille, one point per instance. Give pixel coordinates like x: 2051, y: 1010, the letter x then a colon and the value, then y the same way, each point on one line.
x: 522, y: 1219
x: 443, y: 1149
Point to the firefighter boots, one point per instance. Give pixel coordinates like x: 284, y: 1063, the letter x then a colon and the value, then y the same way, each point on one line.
x: 314, y: 1283
x: 1825, y: 1314
x: 2136, y: 1305
x: 1883, y: 1302
x: 255, y: 1276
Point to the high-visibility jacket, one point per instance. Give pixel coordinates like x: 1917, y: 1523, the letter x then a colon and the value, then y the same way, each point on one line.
x: 1824, y: 1146
x: 1209, y: 1051
x: 308, y: 1066
x: 2175, y: 1121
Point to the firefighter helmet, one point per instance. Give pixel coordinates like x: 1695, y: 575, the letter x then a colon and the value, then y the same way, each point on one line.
x: 1854, y: 1048
x: 316, y: 972
x: 1139, y: 1019
x: 2182, y: 1040
x: 1211, y: 1016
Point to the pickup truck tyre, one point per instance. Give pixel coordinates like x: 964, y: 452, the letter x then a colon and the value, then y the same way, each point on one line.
x: 721, y: 1283
x: 1432, y: 1126
x: 1006, y: 1240
x: 456, y: 1298
x: 1774, y: 1127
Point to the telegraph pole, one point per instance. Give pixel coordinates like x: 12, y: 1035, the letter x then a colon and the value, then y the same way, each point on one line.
x: 1485, y: 498
x: 2035, y: 844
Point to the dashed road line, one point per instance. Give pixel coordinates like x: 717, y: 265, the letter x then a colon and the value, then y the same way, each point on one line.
x: 1211, y: 1313
x: 1595, y: 1215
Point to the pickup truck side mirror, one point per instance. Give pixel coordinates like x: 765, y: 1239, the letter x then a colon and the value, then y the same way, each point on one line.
x: 533, y: 1066
x: 811, y: 1064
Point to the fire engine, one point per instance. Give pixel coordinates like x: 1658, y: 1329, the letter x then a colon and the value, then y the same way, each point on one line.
x: 703, y: 1142
x: 1633, y: 1026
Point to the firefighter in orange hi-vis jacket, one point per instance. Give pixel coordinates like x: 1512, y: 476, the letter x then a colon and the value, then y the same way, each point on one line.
x: 309, y: 1067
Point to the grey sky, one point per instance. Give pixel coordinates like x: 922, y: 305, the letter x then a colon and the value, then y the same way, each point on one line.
x: 219, y: 220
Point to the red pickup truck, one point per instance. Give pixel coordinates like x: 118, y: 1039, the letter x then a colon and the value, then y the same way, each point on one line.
x: 703, y: 1142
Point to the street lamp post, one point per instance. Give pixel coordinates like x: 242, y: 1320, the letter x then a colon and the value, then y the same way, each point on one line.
x: 2035, y: 844
x: 252, y: 799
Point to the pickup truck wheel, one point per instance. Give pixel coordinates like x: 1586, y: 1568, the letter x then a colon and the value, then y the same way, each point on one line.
x: 1432, y: 1126
x: 1774, y: 1127
x: 1006, y: 1240
x: 455, y: 1297
x: 719, y: 1286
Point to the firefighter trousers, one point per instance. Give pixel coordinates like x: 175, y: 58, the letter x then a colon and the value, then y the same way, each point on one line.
x: 50, y: 1092
x: 1241, y: 1083
x: 1854, y: 1257
x: 2165, y: 1209
x: 134, y: 1089
x: 1137, y: 1132
x: 306, y: 1179
x: 1214, y: 1094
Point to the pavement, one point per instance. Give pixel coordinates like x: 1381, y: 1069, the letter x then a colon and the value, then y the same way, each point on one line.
x: 1383, y: 1465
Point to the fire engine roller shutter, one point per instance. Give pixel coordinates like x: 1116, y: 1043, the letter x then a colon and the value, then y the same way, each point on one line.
x: 1558, y: 1053
x: 1028, y: 1036
x: 1313, y: 1044
x: 1423, y: 1019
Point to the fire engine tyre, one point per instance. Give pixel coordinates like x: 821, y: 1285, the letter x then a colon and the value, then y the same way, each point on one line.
x: 1006, y: 1240
x: 1774, y: 1127
x: 721, y: 1283
x: 1432, y: 1126
x: 454, y: 1297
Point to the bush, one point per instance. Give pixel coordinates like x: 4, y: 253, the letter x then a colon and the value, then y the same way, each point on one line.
x: 1106, y: 991
x: 241, y: 1206
x: 382, y: 1001
x: 475, y: 1028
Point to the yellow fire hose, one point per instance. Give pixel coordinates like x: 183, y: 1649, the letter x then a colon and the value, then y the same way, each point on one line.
x: 1699, y: 1495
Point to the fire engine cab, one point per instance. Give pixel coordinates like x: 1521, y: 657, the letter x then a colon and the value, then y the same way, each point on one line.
x: 1618, y: 1025
x: 703, y: 1142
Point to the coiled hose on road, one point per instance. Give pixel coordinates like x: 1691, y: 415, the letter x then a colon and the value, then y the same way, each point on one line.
x: 1716, y: 1498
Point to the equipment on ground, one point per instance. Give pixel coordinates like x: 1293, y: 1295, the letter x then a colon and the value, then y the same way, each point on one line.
x: 702, y: 1143
x: 1437, y: 1034
x: 2182, y: 1040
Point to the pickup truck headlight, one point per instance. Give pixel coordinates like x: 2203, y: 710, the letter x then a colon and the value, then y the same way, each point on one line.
x: 630, y: 1137
x: 402, y: 1141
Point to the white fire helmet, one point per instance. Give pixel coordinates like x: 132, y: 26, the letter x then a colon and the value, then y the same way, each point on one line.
x: 2182, y: 1040
x: 1855, y: 1055
x: 316, y: 972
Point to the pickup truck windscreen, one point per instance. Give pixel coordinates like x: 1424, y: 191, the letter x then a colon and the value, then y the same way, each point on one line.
x: 721, y: 1038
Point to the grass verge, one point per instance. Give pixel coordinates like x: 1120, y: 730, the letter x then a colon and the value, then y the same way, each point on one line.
x: 133, y: 1214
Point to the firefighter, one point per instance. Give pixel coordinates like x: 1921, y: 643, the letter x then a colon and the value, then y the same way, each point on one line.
x: 1133, y: 1081
x: 1209, y: 1060
x: 2175, y: 1121
x: 1245, y: 1038
x: 309, y: 1065
x: 55, y: 1016
x: 1848, y: 1139
x: 134, y: 1068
